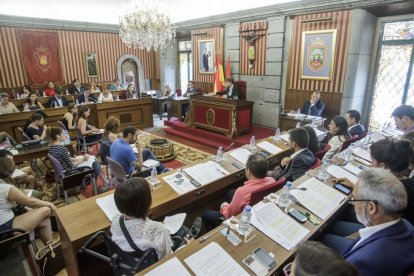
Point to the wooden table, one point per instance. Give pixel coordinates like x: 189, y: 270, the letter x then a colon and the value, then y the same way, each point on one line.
x: 228, y: 116
x: 288, y: 122
x: 79, y: 221
x: 176, y: 107
x: 240, y: 252
x: 158, y: 104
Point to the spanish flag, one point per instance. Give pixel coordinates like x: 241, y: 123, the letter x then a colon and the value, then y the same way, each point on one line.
x: 228, y: 73
x: 218, y: 74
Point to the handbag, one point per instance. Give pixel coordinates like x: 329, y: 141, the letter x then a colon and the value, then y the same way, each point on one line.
x: 50, y: 258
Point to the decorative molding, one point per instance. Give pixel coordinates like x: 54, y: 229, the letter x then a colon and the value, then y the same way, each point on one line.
x: 139, y: 67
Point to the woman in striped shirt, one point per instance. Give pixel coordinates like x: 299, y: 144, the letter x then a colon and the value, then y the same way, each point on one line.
x: 58, y: 151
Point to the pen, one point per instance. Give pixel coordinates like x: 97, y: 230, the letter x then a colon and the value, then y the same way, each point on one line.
x: 312, y: 218
x: 221, y: 172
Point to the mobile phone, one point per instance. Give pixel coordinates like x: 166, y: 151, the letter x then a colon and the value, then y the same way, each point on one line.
x: 264, y: 257
x: 297, y: 215
x: 343, y: 188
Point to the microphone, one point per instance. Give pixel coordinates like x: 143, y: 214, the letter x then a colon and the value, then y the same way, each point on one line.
x: 232, y: 144
x: 91, y: 99
x: 302, y: 189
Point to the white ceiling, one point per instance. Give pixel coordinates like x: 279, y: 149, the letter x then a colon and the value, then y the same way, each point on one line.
x: 108, y: 11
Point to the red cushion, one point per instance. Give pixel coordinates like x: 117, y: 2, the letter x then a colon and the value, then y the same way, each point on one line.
x: 242, y: 87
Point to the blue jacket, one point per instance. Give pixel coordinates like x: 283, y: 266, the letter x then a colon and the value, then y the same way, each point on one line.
x: 297, y: 166
x: 357, y: 130
x: 315, y: 110
x: 387, y: 252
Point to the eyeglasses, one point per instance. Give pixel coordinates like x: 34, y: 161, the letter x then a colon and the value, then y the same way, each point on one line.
x: 352, y: 200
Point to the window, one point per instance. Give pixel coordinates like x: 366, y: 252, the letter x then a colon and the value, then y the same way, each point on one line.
x: 393, y: 82
x: 185, y: 59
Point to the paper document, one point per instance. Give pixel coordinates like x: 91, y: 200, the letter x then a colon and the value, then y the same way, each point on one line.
x: 319, y: 198
x: 352, y: 169
x: 240, y: 155
x: 376, y: 136
x: 179, y: 182
x: 339, y: 172
x: 87, y: 163
x: 173, y: 265
x: 134, y: 148
x: 174, y: 223
x: 149, y: 163
x: 14, y: 152
x: 277, y: 225
x: 107, y: 204
x: 285, y: 137
x: 320, y: 134
x: 214, y: 260
x: 207, y: 172
x: 361, y: 153
x: 18, y: 173
x: 362, y: 161
x: 269, y: 147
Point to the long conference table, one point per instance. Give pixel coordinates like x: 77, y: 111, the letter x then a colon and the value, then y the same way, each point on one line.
x: 77, y: 222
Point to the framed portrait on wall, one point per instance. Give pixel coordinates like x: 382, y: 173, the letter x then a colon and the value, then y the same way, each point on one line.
x: 91, y: 64
x: 206, y: 56
x: 317, y: 55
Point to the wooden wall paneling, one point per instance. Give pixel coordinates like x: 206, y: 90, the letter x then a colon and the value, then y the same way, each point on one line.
x: 205, y: 87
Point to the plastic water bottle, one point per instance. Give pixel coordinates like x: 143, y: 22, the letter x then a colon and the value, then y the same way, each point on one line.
x: 67, y: 92
x: 219, y: 155
x: 276, y: 138
x: 313, y: 122
x: 67, y: 138
x: 323, y: 172
x: 153, y: 178
x: 245, y: 218
x: 298, y: 125
x: 298, y: 112
x: 284, y: 198
x: 252, y: 145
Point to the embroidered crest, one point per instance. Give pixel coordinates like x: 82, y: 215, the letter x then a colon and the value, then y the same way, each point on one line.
x: 43, y: 56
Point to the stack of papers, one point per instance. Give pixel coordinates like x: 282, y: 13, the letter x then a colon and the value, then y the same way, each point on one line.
x: 87, y: 163
x: 241, y: 155
x: 319, y: 198
x: 352, y: 169
x: 107, y: 204
x: 179, y: 182
x: 361, y: 153
x: 339, y: 172
x: 214, y: 260
x: 285, y: 137
x: 149, y: 163
x: 277, y: 225
x: 207, y: 172
x: 269, y: 147
x: 166, y: 268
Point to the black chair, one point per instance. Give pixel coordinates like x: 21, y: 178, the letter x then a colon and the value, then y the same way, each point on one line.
x: 121, y: 262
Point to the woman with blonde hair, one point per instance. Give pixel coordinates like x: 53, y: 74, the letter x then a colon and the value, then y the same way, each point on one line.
x: 106, y: 96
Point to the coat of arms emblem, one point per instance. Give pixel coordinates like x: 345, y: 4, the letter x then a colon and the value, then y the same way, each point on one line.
x: 316, y: 54
x: 42, y: 56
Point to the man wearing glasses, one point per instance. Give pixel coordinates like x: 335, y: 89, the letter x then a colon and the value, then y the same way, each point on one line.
x: 386, y: 243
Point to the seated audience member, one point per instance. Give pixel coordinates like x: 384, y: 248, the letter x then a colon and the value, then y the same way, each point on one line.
x: 32, y: 103
x: 76, y: 87
x: 256, y: 169
x: 106, y: 96
x: 300, y: 161
x: 36, y: 219
x: 50, y: 90
x: 29, y: 180
x: 110, y: 134
x: 90, y: 132
x: 352, y: 118
x: 167, y: 91
x: 133, y: 199
x: 130, y: 93
x: 4, y: 136
x: 232, y: 91
x: 409, y: 137
x: 116, y: 86
x: 58, y: 100
x: 61, y: 153
x: 396, y: 157
x: 339, y: 129
x: 404, y: 118
x: 5, y: 106
x: 379, y: 200
x: 93, y: 88
x: 314, y: 258
x: 313, y: 145
x: 25, y: 92
x: 86, y: 97
x: 36, y: 130
x: 71, y: 117
x: 191, y: 90
x: 314, y: 106
x: 122, y: 152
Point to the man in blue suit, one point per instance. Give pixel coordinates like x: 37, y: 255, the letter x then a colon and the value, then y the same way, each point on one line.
x: 314, y: 106
x: 386, y: 243
x: 353, y: 117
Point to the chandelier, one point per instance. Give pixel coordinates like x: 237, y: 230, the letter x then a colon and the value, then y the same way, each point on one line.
x: 146, y: 28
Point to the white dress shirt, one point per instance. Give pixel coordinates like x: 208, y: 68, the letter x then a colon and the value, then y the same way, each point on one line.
x: 366, y: 232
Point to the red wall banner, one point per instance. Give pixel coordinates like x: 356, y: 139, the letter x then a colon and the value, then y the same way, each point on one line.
x: 40, y: 53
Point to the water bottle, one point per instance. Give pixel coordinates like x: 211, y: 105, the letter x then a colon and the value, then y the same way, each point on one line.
x: 284, y: 198
x: 67, y: 138
x: 245, y: 218
x: 77, y: 102
x: 153, y: 178
x: 313, y: 122
x: 298, y: 112
x: 323, y: 172
x: 367, y: 139
x: 276, y: 138
x: 117, y: 98
x: 219, y: 155
x: 252, y: 145
x: 67, y: 92
x: 298, y: 125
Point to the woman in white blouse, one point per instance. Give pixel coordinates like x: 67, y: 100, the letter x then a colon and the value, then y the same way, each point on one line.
x: 106, y: 96
x: 94, y: 88
x: 339, y: 129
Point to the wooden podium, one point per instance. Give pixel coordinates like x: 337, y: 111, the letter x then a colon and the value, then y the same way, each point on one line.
x: 231, y: 117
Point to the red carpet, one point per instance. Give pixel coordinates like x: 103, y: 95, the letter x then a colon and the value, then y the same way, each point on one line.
x: 212, y: 139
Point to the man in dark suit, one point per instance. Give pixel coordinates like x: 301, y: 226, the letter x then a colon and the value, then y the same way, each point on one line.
x: 353, y: 117
x: 314, y: 106
x: 191, y: 90
x: 76, y: 87
x: 300, y: 161
x: 206, y: 55
x: 231, y: 91
x: 86, y: 97
x: 386, y: 243
x: 57, y: 100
